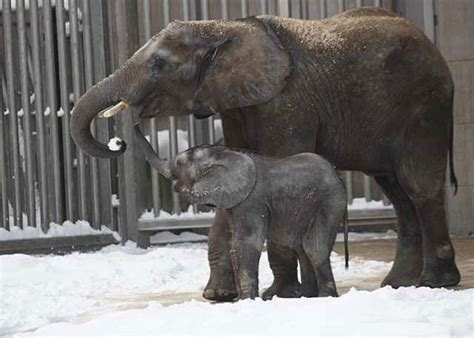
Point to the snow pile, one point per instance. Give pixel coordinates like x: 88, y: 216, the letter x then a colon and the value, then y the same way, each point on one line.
x: 166, y: 237
x: 360, y: 203
x: 367, y: 236
x: 403, y: 312
x: 184, y: 215
x: 36, y: 291
x: 68, y: 228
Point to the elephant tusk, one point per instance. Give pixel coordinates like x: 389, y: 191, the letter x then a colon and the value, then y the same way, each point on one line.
x: 109, y: 112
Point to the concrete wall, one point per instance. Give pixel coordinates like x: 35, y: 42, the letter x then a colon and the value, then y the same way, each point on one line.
x: 455, y: 38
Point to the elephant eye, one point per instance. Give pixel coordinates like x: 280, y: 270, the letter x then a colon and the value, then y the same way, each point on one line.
x: 207, y: 170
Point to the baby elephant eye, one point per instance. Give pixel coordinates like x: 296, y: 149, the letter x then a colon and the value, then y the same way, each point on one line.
x: 207, y: 170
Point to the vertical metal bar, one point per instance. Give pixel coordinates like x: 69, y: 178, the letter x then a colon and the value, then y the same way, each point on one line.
x: 323, y: 9
x: 284, y: 8
x: 25, y: 103
x: 367, y: 189
x: 40, y: 126
x: 155, y: 176
x: 263, y: 7
x: 349, y: 186
x: 76, y: 85
x: 50, y: 58
x: 7, y: 30
x: 63, y: 80
x: 204, y: 10
x: 358, y: 3
x: 4, y: 215
x: 341, y: 6
x: 98, y: 12
x: 428, y: 19
x: 89, y: 76
x: 377, y: 3
x: 173, y: 151
x: 244, y: 8
x: 225, y: 9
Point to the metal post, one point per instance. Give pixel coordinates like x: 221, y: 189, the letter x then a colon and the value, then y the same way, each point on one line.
x: 40, y: 125
x: 155, y: 176
x: 63, y: 80
x: 367, y: 188
x: 323, y: 9
x: 89, y: 76
x: 76, y: 85
x: 244, y: 8
x: 4, y: 215
x: 284, y: 8
x: 349, y: 186
x: 126, y: 22
x: 358, y: 3
x: 53, y: 119
x: 7, y: 30
x: 98, y: 14
x: 377, y: 3
x: 25, y: 103
x: 263, y: 7
x: 341, y: 6
x: 428, y: 19
x: 225, y: 9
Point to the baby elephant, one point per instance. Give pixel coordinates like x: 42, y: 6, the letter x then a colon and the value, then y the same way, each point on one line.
x: 295, y: 203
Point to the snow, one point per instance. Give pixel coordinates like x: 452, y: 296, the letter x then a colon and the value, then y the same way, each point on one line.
x: 115, y: 143
x: 184, y: 215
x: 120, y: 290
x: 79, y: 228
x: 60, y: 112
x: 360, y: 203
x: 47, y: 111
x: 165, y: 237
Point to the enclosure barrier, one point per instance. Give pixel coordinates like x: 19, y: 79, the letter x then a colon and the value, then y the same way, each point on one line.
x: 52, y: 53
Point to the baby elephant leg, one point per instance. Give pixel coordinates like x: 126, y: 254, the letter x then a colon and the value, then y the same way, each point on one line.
x: 283, y: 263
x: 317, y: 246
x: 309, y: 284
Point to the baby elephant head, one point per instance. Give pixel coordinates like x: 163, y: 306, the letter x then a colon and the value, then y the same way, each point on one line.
x: 214, y: 175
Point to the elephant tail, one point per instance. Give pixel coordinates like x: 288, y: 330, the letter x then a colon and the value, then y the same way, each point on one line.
x: 346, y: 240
x: 453, y: 179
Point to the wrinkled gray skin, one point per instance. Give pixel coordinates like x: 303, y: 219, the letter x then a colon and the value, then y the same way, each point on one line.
x: 296, y: 203
x: 365, y: 89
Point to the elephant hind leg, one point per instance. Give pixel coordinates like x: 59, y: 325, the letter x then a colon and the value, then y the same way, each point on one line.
x: 408, y: 262
x: 309, y: 284
x: 421, y: 173
x: 283, y: 263
x: 317, y: 245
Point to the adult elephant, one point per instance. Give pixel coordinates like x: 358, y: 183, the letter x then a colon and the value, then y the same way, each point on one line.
x: 366, y: 89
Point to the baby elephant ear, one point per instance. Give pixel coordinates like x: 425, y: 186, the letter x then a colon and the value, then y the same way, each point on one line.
x: 232, y: 181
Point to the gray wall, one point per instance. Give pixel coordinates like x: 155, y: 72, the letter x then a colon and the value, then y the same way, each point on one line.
x: 455, y: 38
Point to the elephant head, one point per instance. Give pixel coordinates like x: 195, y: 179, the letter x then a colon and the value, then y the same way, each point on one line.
x: 211, y: 175
x: 198, y: 67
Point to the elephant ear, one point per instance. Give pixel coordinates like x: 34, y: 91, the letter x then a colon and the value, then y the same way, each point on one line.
x: 229, y: 180
x: 250, y: 69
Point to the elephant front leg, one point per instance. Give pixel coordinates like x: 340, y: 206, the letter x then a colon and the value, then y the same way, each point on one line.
x: 221, y: 285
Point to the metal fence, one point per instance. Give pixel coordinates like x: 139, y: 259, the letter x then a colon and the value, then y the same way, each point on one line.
x: 51, y: 53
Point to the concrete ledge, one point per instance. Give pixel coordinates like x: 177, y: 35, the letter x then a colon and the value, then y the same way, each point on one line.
x: 359, y: 220
x: 56, y: 245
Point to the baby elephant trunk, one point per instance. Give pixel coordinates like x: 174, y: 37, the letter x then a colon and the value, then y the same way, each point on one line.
x: 163, y: 166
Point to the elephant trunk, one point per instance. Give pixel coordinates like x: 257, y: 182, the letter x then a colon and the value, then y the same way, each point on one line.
x: 163, y: 166
x: 101, y: 96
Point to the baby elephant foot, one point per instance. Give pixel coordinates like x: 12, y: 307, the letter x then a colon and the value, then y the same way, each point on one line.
x: 221, y: 287
x: 291, y: 290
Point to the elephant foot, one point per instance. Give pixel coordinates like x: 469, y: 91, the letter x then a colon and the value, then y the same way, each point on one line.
x: 221, y: 287
x: 405, y: 271
x: 291, y: 290
x: 439, y: 272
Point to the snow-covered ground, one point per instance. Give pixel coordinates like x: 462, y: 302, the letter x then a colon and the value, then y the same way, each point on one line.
x: 125, y: 290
